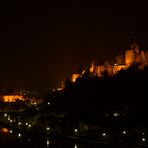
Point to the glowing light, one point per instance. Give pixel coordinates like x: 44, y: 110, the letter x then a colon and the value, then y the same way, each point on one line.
x: 10, y: 131
x: 12, y: 98
x: 11, y: 121
x: 26, y: 124
x: 124, y: 132
x: 47, y: 142
x: 19, y: 135
x: 60, y: 89
x: 143, y: 139
x: 116, y: 114
x: 75, y: 146
x: 75, y: 130
x: 48, y: 103
x: 29, y: 125
x: 104, y: 134
x: 48, y: 128
x: 74, y: 77
x: 19, y: 123
x: 5, y: 115
x: 4, y: 130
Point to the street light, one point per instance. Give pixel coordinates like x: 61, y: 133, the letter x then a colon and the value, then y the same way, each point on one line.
x: 19, y: 135
x: 10, y: 131
x: 143, y: 139
x: 124, y: 132
x: 104, y: 134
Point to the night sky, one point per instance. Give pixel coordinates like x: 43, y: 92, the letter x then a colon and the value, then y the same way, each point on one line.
x: 43, y: 43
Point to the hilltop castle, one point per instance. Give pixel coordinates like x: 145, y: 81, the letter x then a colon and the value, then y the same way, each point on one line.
x: 132, y: 56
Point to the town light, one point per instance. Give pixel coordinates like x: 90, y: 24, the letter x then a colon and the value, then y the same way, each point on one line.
x: 104, y: 134
x: 75, y: 146
x: 19, y: 135
x: 143, y: 139
x: 124, y: 132
x: 10, y: 131
x: 116, y: 114
x: 48, y: 128
x: 75, y: 130
x: 47, y: 142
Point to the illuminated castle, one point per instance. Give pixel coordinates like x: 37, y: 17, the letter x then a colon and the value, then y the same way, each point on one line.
x: 132, y: 56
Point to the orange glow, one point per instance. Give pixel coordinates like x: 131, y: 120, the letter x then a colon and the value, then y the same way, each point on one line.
x: 4, y: 130
x: 74, y: 77
x: 131, y: 56
x: 12, y: 98
x: 118, y: 68
x: 91, y: 69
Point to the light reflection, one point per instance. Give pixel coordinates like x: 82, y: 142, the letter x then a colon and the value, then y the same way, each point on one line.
x: 75, y: 146
x: 47, y: 142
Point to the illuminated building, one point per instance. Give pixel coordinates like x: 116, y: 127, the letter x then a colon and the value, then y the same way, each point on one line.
x: 12, y: 98
x: 132, y: 56
x: 75, y: 76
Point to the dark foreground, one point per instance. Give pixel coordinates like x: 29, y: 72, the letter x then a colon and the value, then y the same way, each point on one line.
x: 13, y: 140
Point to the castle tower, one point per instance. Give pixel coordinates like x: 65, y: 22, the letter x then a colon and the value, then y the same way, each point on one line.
x: 135, y: 47
x: 92, y: 67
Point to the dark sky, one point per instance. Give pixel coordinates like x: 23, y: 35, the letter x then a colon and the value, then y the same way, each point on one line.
x: 42, y: 43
